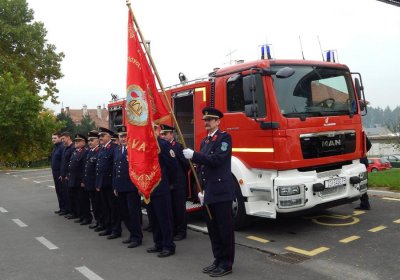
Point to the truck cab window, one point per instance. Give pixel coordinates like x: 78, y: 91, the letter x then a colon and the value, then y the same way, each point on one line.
x: 238, y: 88
x: 316, y: 91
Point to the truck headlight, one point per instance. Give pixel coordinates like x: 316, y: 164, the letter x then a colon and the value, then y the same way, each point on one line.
x: 289, y: 190
x: 363, y: 175
x: 291, y: 196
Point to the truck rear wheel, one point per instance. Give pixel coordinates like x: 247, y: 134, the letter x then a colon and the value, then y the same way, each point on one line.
x: 238, y: 209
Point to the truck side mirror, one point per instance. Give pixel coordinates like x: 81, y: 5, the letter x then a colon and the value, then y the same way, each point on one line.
x: 358, y: 88
x: 285, y: 72
x: 249, y: 90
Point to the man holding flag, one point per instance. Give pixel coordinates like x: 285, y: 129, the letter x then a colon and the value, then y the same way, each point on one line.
x: 151, y: 161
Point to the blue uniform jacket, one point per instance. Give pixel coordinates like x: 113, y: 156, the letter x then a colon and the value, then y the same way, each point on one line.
x: 89, y: 178
x: 76, y: 168
x: 121, y: 180
x: 214, y: 160
x: 104, y: 167
x: 65, y: 158
x: 183, y: 165
x: 169, y: 165
x: 56, y: 157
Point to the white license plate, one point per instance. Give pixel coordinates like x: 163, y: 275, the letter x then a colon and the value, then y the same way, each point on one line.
x: 335, y: 182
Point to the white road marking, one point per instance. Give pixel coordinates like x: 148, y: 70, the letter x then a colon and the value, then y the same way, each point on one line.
x: 38, y: 182
x: 197, y: 228
x: 19, y: 222
x: 46, y: 243
x: 3, y: 210
x: 36, y: 177
x: 53, y: 187
x: 88, y: 273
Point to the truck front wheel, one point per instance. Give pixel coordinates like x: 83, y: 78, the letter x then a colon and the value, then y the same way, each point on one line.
x: 238, y: 209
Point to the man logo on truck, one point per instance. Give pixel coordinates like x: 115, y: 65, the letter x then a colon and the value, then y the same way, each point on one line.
x: 331, y: 143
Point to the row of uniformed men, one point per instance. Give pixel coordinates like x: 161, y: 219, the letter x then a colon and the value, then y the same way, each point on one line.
x: 213, y: 167
x: 97, y: 177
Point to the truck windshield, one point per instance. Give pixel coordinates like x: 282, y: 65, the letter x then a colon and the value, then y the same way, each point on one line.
x: 315, y: 91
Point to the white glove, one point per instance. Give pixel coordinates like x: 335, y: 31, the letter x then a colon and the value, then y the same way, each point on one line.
x: 200, y: 195
x: 188, y: 153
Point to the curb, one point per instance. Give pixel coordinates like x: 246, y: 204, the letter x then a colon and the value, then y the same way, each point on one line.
x: 383, y: 193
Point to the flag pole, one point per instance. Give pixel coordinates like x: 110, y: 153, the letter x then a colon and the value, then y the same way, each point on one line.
x: 178, y: 129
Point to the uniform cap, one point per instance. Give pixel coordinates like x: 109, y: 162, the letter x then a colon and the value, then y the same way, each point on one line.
x: 209, y: 112
x: 103, y: 130
x: 122, y: 130
x: 166, y: 128
x: 93, y: 134
x: 79, y: 136
x: 114, y: 135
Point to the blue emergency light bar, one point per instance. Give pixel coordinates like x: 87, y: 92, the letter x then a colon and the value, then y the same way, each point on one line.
x: 265, y: 48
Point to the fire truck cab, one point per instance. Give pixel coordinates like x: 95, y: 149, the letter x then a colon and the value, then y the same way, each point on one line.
x: 296, y: 133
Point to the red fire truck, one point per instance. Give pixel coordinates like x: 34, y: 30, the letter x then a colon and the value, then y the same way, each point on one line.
x: 296, y: 132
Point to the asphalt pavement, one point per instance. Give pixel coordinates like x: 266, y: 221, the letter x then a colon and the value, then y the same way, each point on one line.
x: 339, y: 243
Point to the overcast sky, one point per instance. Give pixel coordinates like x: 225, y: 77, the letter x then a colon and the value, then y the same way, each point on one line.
x: 193, y: 37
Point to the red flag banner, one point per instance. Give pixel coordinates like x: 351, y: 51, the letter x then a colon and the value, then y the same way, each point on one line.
x: 143, y: 107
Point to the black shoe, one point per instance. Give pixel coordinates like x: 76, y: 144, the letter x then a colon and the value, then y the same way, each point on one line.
x: 63, y: 213
x: 86, y: 222
x: 93, y: 226
x: 71, y: 217
x: 210, y: 268
x: 220, y: 271
x: 179, y: 236
x: 126, y: 241
x: 113, y: 236
x: 363, y: 207
x: 57, y: 212
x: 165, y: 253
x: 134, y: 244
x: 154, y: 250
x: 99, y: 228
x: 78, y: 221
x: 148, y: 228
x: 105, y: 233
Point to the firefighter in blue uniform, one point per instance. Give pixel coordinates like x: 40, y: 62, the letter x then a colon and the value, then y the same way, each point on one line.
x: 127, y: 194
x: 178, y: 191
x: 75, y: 176
x: 104, y: 171
x: 65, y: 159
x: 89, y: 179
x: 214, y: 169
x: 56, y: 155
x: 160, y: 203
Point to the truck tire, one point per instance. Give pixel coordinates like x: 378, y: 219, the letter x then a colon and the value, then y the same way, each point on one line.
x: 374, y: 170
x: 238, y: 209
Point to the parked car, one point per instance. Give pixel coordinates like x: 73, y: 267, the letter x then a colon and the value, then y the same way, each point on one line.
x: 378, y: 164
x: 394, y: 160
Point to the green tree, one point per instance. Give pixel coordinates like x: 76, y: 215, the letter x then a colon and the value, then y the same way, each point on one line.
x: 25, y: 129
x: 67, y: 124
x: 86, y: 125
x: 24, y: 50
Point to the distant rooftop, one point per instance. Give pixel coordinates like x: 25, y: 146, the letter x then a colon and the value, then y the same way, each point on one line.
x: 98, y: 115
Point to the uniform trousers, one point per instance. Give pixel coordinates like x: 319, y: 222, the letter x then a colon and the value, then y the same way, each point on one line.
x: 130, y: 212
x: 178, y: 197
x: 65, y: 195
x: 112, y: 221
x: 73, y: 193
x: 84, y: 204
x: 161, y: 212
x: 58, y: 187
x: 95, y: 202
x: 220, y: 231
